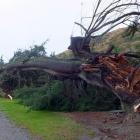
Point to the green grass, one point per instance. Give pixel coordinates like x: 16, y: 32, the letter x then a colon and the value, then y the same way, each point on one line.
x: 47, y: 125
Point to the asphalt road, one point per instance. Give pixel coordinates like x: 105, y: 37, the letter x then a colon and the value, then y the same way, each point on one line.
x: 9, y: 131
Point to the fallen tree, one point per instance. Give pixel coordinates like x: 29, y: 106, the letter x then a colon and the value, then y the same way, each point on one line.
x: 109, y: 70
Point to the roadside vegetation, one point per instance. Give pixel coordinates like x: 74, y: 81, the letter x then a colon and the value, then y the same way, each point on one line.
x: 45, y: 124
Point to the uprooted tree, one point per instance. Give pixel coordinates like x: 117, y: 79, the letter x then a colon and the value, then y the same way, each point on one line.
x: 104, y: 69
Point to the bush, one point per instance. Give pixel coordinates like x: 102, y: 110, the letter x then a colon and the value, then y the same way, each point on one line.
x: 98, y: 99
x: 39, y: 98
x: 65, y: 96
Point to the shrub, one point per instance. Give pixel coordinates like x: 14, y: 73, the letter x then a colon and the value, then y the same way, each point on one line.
x: 65, y: 96
x: 39, y: 98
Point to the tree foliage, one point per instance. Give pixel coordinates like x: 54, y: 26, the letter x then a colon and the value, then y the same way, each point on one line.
x: 25, y: 55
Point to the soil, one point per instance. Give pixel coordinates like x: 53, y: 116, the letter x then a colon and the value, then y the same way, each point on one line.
x: 109, y: 125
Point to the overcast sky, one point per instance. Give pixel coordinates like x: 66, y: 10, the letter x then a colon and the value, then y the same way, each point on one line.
x: 24, y: 23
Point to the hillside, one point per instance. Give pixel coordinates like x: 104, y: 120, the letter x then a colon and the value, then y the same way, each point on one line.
x: 120, y: 41
x: 117, y: 38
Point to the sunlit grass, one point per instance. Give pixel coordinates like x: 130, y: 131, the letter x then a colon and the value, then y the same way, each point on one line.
x: 48, y: 125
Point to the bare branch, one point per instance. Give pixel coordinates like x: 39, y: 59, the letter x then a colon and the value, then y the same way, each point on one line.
x: 100, y: 23
x: 109, y: 29
x: 102, y: 18
x: 81, y: 26
x: 94, y: 14
x: 100, y: 14
x: 113, y: 21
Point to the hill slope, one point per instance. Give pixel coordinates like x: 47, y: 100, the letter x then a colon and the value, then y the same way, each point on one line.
x: 117, y: 38
x: 120, y: 41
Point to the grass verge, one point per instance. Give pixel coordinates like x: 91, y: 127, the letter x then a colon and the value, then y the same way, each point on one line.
x: 47, y: 125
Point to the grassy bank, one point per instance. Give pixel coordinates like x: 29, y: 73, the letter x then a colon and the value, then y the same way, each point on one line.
x: 48, y: 125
